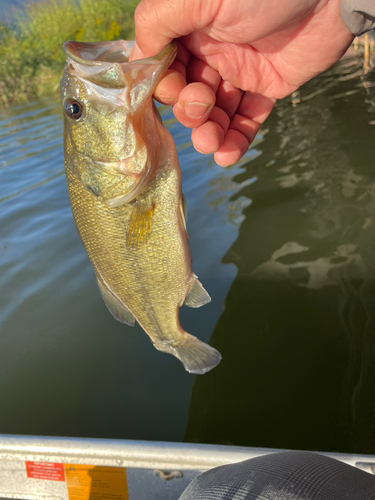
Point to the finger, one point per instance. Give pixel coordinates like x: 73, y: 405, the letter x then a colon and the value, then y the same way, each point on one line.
x: 240, y: 135
x: 248, y: 128
x: 194, y: 105
x: 182, y: 59
x: 219, y: 116
x: 179, y: 67
x: 234, y: 147
x: 255, y: 106
x: 158, y: 22
x: 170, y: 87
x: 251, y: 113
x: 183, y: 54
x: 209, y: 137
x: 228, y: 97
x: 199, y: 71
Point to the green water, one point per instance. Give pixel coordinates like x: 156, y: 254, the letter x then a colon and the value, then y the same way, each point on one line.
x: 298, y: 331
x: 283, y: 241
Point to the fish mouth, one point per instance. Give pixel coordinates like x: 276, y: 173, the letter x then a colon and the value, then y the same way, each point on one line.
x: 94, y: 54
x: 117, y: 51
x: 105, y: 68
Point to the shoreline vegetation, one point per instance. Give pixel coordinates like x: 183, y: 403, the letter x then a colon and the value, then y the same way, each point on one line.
x: 31, y: 54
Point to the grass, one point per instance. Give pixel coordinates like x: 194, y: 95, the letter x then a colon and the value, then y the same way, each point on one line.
x: 31, y: 55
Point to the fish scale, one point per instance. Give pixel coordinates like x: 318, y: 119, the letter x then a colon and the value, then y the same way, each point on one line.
x: 126, y: 269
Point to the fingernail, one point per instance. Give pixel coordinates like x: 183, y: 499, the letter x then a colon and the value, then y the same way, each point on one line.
x: 196, y: 109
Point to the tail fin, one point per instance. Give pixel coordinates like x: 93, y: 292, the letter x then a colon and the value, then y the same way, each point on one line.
x: 196, y: 356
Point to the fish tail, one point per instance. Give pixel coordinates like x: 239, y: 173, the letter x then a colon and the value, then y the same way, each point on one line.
x: 196, y: 356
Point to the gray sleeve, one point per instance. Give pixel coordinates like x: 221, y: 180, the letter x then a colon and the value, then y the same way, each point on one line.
x: 358, y: 15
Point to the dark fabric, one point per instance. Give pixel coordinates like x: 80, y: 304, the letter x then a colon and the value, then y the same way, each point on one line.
x: 290, y: 475
x: 358, y: 15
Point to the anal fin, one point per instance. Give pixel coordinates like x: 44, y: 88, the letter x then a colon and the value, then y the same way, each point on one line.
x: 197, y: 295
x: 118, y: 310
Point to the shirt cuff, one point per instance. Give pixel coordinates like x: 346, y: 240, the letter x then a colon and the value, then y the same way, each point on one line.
x: 358, y: 15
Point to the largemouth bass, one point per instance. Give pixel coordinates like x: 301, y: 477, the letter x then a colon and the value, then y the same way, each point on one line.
x: 124, y: 184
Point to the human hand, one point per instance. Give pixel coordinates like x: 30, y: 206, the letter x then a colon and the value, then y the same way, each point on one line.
x: 235, y: 59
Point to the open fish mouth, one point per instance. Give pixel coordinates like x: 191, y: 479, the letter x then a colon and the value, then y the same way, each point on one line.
x: 118, y: 51
x: 96, y: 53
x: 105, y: 68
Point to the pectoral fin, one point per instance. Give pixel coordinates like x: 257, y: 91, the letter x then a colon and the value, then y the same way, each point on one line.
x: 118, y: 310
x: 140, y: 226
x: 197, y: 295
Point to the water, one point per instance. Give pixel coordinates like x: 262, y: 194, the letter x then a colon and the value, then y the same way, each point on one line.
x: 8, y: 9
x: 283, y: 241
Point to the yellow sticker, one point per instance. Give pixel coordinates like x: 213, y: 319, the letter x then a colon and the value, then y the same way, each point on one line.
x: 91, y: 482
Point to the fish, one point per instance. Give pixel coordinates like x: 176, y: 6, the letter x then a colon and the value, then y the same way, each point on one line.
x: 125, y: 190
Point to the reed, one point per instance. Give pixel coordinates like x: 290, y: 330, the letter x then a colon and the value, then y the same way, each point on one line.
x: 31, y: 55
x: 364, y: 46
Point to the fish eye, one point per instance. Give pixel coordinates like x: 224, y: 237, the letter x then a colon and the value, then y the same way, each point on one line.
x: 74, y: 109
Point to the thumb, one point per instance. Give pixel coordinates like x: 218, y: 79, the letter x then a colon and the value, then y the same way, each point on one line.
x: 158, y: 22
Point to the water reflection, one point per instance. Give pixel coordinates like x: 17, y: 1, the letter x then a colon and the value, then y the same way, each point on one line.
x: 298, y: 331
